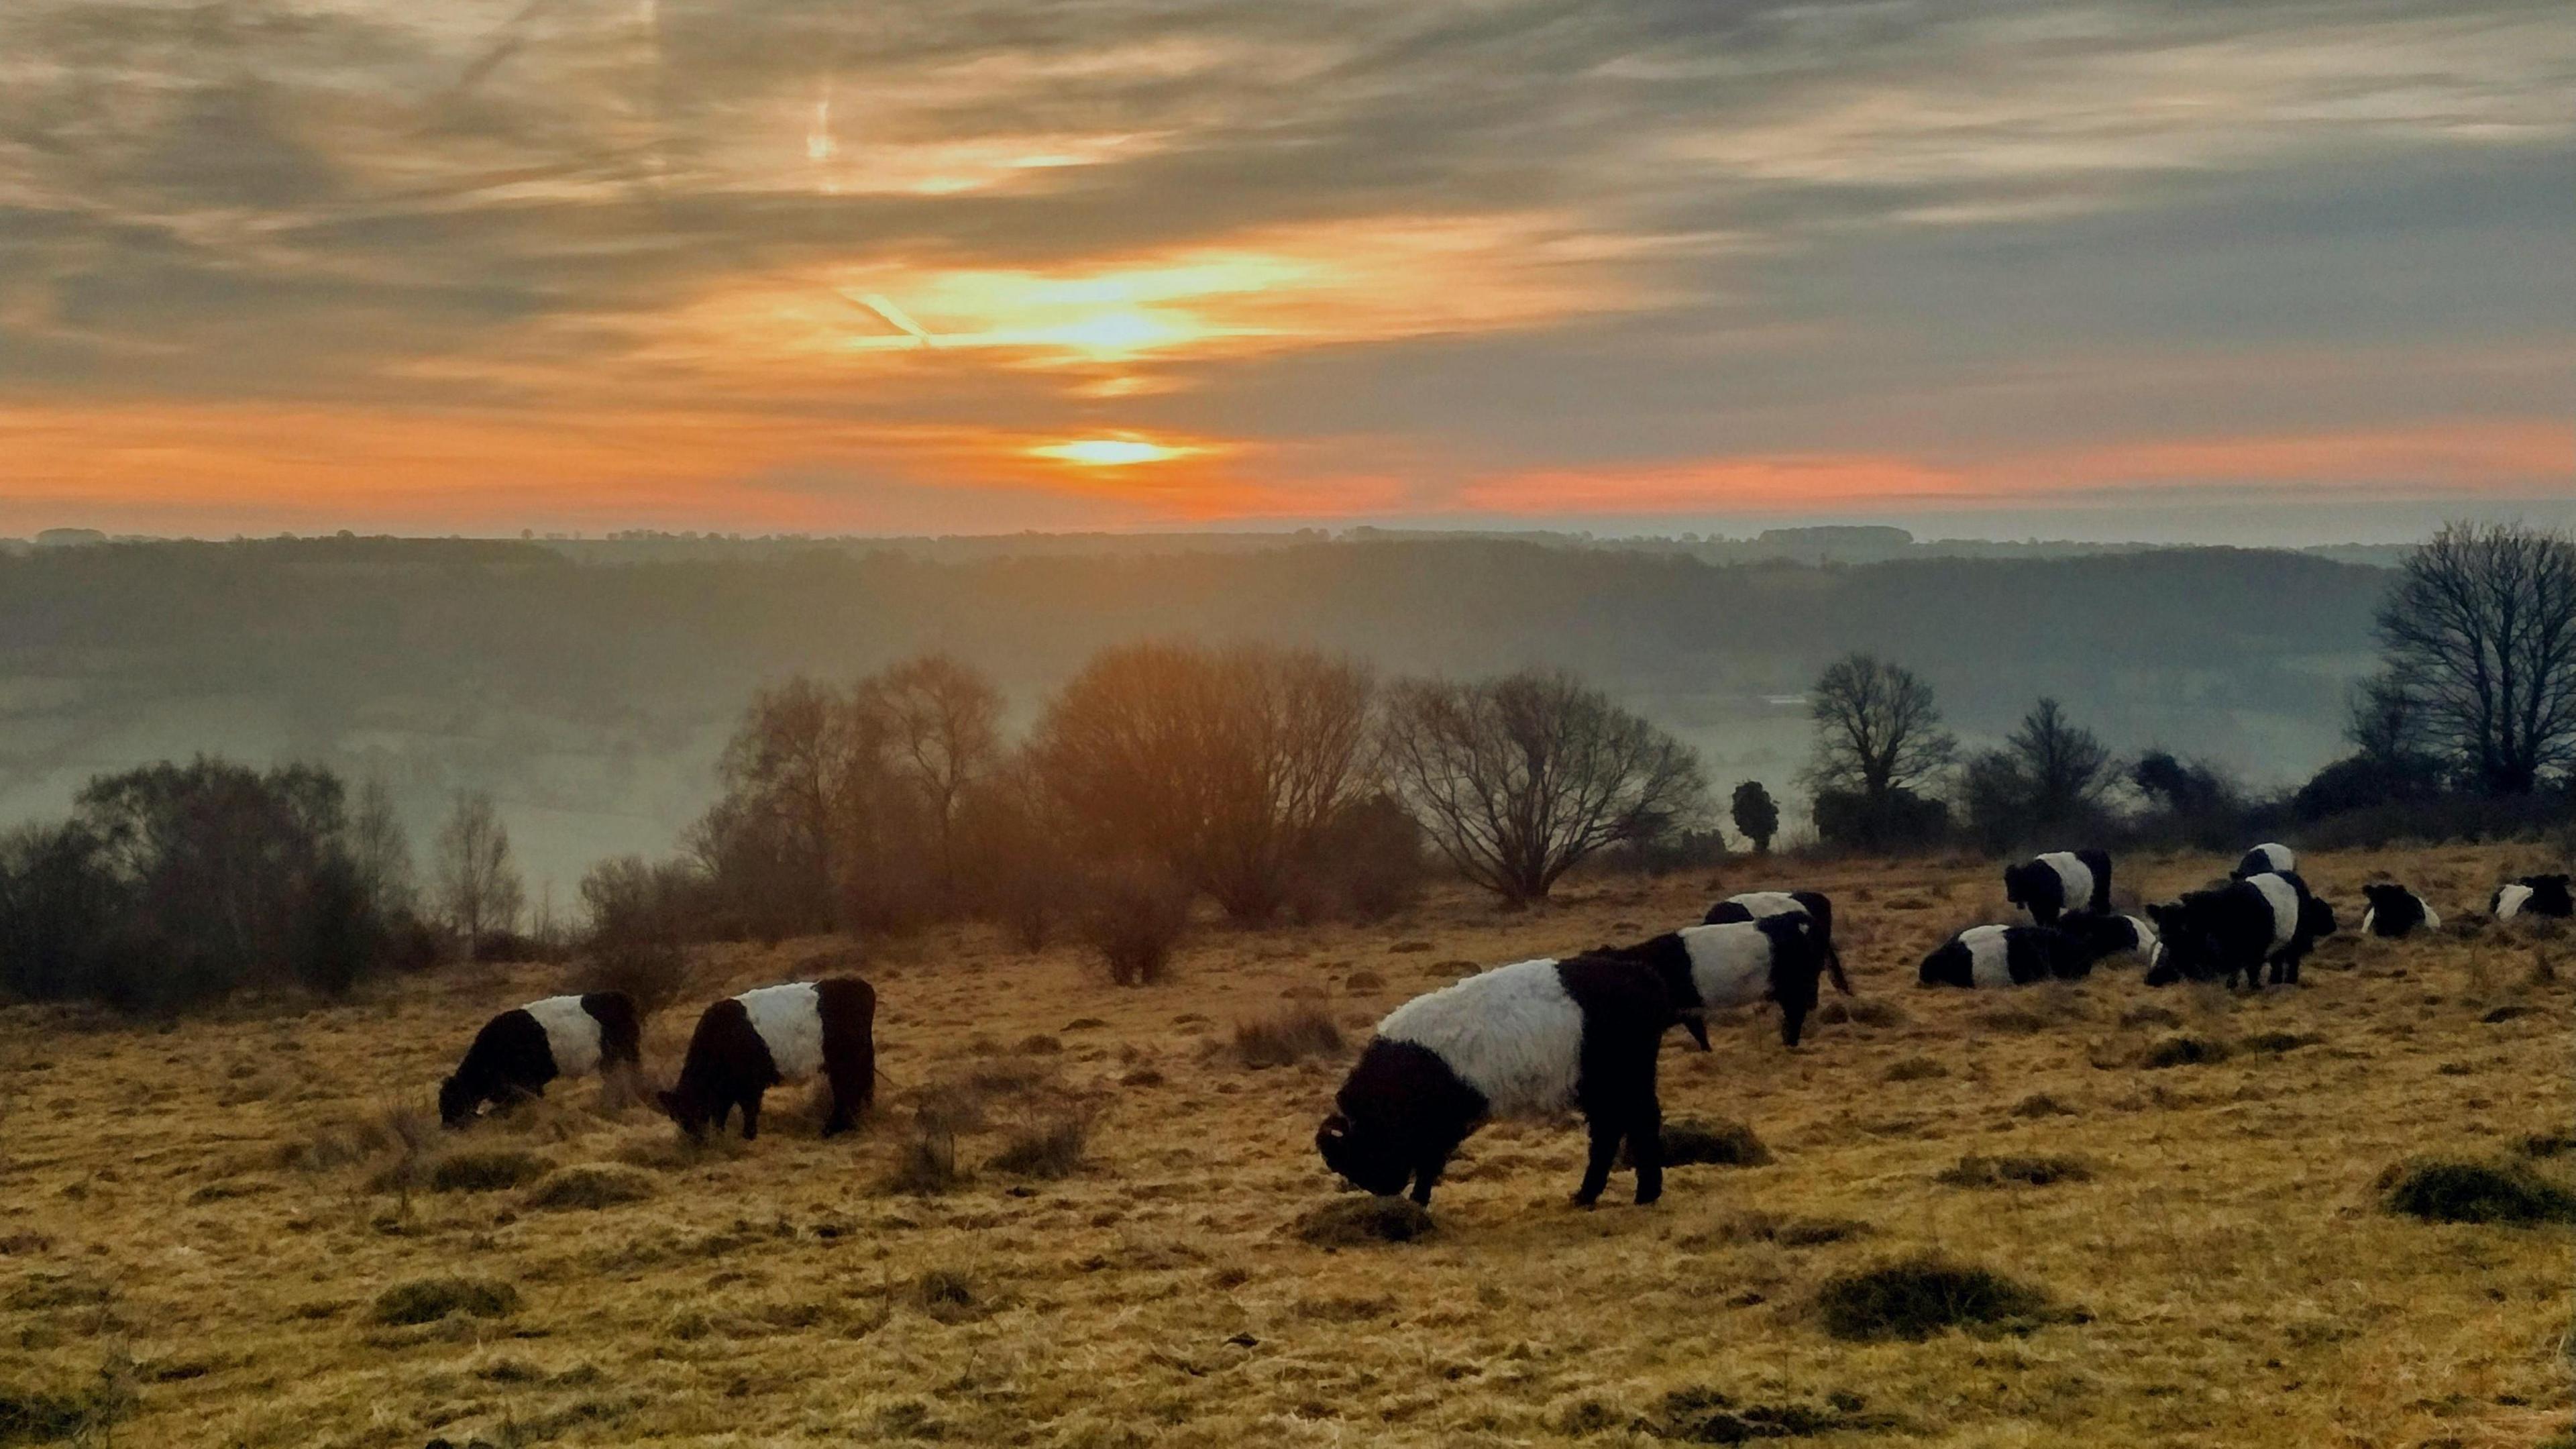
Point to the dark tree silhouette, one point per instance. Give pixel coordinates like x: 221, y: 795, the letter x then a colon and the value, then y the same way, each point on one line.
x: 1878, y: 743
x: 941, y: 725
x: 1519, y: 779
x: 2479, y: 636
x: 1757, y: 815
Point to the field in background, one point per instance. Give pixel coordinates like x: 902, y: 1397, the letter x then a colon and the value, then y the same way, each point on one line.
x: 202, y: 1223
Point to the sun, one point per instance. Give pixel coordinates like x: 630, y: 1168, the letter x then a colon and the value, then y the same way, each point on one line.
x: 1110, y: 452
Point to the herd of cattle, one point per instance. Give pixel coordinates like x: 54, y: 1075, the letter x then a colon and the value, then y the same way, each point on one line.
x: 1532, y: 1039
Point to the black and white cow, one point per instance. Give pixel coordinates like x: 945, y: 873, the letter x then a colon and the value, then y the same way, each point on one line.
x: 2269, y: 858
x: 1739, y: 963
x: 744, y: 1045
x: 2006, y: 956
x: 1761, y: 905
x: 2238, y: 929
x: 2533, y: 895
x: 2060, y: 881
x: 2395, y: 911
x: 2128, y: 939
x: 519, y: 1051
x: 1527, y: 1040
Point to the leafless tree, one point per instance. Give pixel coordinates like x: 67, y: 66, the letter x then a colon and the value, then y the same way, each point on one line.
x: 941, y: 725
x: 789, y: 774
x: 2481, y: 632
x: 478, y: 884
x: 2067, y: 766
x: 1519, y: 779
x: 381, y: 853
x: 1222, y: 765
x: 1877, y: 729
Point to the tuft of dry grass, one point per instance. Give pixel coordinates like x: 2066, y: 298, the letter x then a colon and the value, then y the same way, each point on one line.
x: 1976, y: 1171
x: 1689, y: 1143
x: 2183, y: 1050
x: 2445, y: 1191
x: 426, y: 1300
x: 590, y: 1186
x: 490, y: 1169
x: 1917, y: 1297
x: 1287, y: 1037
x: 1048, y: 1150
x: 1357, y: 1220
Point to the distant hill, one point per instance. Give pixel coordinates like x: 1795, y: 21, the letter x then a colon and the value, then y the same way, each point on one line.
x: 592, y: 691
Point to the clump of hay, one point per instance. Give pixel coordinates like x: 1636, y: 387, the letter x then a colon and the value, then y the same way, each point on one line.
x: 2040, y: 1104
x: 1048, y: 1150
x: 2013, y: 1020
x: 2137, y: 1017
x: 1349, y: 1222
x: 2277, y: 1042
x: 2442, y: 1191
x: 1691, y: 1143
x: 1359, y: 983
x: 1977, y: 1171
x: 1920, y: 1296
x: 590, y: 1186
x: 1914, y: 1069
x: 486, y: 1170
x: 2182, y: 1050
x: 426, y: 1300
x: 1287, y: 1037
x: 1861, y: 1011
x: 1708, y: 1416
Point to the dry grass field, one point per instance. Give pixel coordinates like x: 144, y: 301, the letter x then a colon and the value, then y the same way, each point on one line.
x: 219, y: 1233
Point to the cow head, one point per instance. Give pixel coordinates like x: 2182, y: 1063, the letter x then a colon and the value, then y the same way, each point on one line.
x: 2316, y: 918
x: 685, y: 1108
x: 1366, y: 1160
x: 2184, y: 949
x: 455, y: 1102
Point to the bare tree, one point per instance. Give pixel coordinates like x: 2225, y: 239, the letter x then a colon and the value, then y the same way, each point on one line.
x: 381, y: 852
x: 2481, y: 632
x: 1519, y: 779
x: 941, y: 723
x: 790, y: 775
x: 1223, y: 766
x: 2066, y: 767
x: 478, y: 885
x: 1877, y: 729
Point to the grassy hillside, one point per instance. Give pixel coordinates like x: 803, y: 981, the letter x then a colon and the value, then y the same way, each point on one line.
x: 222, y: 1227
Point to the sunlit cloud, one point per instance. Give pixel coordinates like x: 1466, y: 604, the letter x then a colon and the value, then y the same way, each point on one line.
x: 1111, y: 452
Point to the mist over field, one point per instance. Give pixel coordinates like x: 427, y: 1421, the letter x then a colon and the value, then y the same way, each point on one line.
x: 591, y: 686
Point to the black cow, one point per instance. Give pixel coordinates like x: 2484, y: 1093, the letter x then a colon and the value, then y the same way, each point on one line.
x: 2269, y: 858
x: 744, y: 1045
x: 2238, y: 929
x: 519, y: 1051
x: 1527, y: 1040
x: 2060, y: 881
x: 2394, y: 911
x: 2533, y: 895
x: 1761, y: 905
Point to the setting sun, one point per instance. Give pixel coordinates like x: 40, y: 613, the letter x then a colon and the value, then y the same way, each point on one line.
x: 1110, y: 452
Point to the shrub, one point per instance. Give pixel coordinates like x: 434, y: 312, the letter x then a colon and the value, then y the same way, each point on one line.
x: 2475, y: 1192
x: 1920, y: 1296
x: 1137, y: 913
x: 591, y: 1186
x: 1347, y: 1222
x: 426, y: 1300
x: 1047, y: 1150
x: 1976, y: 1171
x: 1366, y: 864
x: 485, y: 1170
x: 1287, y: 1037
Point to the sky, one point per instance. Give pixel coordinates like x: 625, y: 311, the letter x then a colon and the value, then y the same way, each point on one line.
x: 2241, y: 270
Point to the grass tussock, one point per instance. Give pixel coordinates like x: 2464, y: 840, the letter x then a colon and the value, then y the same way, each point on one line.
x: 52, y: 1415
x: 427, y: 1300
x: 590, y: 1186
x: 926, y: 1162
x: 1915, y: 1298
x: 1984, y: 1172
x: 1287, y: 1037
x: 2041, y: 1104
x: 1789, y: 1231
x: 406, y: 1132
x: 2277, y: 1042
x: 1048, y: 1150
x: 490, y: 1169
x: 2182, y: 1050
x: 1861, y: 1011
x: 949, y: 1295
x: 2443, y: 1191
x: 1914, y: 1069
x: 1357, y: 1221
x: 1715, y: 1143
x: 1709, y: 1416
x: 1362, y: 983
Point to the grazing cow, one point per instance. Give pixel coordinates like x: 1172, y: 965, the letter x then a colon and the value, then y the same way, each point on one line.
x: 1760, y: 905
x: 2269, y: 858
x: 1528, y: 1040
x: 2533, y: 895
x: 2238, y: 929
x: 2006, y: 956
x: 519, y: 1051
x: 2395, y: 911
x: 1737, y: 963
x: 2058, y: 882
x: 744, y: 1045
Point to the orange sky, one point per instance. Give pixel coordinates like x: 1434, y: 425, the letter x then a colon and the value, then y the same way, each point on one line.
x: 487, y: 268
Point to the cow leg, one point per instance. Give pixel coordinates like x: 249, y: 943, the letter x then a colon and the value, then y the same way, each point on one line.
x: 1425, y: 1175
x: 1605, y: 1150
x: 751, y: 1117
x: 850, y: 1082
x: 1646, y: 1146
